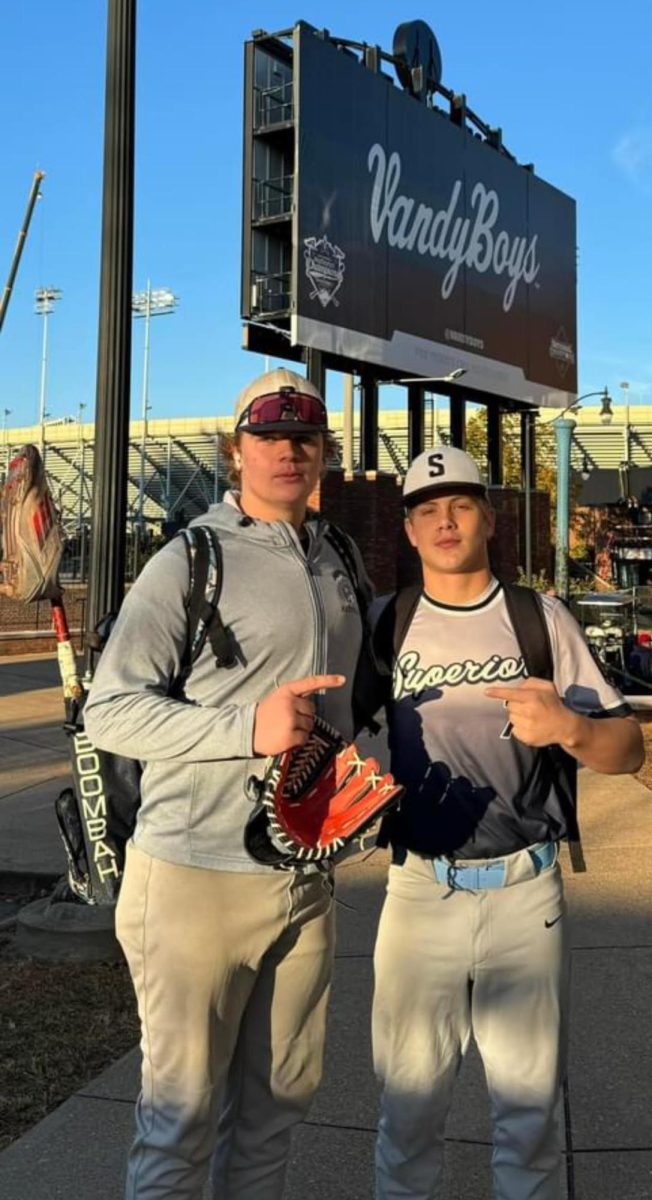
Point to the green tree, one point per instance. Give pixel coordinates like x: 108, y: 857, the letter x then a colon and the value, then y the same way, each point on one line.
x: 545, y: 455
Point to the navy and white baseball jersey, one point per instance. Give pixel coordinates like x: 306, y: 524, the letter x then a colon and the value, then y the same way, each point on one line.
x: 472, y: 789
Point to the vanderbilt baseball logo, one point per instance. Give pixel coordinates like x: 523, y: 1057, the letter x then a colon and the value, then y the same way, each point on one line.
x: 325, y: 264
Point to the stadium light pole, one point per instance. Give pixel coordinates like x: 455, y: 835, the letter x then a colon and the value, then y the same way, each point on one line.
x: 158, y: 303
x: 45, y: 300
x: 564, y: 427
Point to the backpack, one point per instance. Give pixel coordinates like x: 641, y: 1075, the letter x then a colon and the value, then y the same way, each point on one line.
x: 368, y: 682
x: 97, y: 815
x: 525, y: 611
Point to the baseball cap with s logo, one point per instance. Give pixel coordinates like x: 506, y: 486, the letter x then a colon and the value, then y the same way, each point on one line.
x: 439, y: 471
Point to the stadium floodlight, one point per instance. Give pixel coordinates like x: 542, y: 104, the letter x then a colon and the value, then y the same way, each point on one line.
x: 45, y: 299
x: 153, y: 302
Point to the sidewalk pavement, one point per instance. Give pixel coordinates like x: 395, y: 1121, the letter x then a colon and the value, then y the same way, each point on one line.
x: 80, y: 1148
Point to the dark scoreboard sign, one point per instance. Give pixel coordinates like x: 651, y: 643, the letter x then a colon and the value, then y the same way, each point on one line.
x: 419, y: 247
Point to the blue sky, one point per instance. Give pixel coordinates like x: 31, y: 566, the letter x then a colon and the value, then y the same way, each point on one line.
x: 568, y: 82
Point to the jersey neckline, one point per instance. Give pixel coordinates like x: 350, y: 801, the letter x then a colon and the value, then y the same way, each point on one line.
x: 485, y: 599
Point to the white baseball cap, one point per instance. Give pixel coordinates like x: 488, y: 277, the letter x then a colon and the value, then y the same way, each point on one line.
x: 289, y: 405
x: 442, y: 470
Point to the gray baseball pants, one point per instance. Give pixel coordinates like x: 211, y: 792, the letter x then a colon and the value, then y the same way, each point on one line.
x: 232, y: 973
x: 452, y: 963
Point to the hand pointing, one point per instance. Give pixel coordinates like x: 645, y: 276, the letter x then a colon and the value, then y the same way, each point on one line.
x: 285, y: 718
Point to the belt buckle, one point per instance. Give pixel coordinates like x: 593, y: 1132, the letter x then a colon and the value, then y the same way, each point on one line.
x: 467, y: 878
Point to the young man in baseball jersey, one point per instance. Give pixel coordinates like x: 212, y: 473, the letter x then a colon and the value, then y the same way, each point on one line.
x: 472, y: 936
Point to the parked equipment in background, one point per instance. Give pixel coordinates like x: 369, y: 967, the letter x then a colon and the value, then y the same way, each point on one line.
x: 610, y: 622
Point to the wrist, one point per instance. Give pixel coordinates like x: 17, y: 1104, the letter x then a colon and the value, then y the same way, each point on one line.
x: 573, y: 730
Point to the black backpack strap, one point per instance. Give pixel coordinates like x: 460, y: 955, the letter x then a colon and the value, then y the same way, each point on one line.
x: 341, y: 544
x: 206, y: 575
x: 406, y: 602
x: 393, y: 623
x: 389, y: 634
x: 526, y: 613
x: 368, y: 686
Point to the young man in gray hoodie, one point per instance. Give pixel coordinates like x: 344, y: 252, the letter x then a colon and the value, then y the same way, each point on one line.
x: 231, y: 960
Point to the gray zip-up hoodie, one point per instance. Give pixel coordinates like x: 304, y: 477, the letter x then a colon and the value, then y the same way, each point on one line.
x: 292, y: 613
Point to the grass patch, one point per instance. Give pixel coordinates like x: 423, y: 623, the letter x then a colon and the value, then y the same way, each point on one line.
x: 61, y: 1024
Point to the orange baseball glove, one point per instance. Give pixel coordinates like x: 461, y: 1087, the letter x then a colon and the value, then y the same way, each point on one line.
x: 315, y: 800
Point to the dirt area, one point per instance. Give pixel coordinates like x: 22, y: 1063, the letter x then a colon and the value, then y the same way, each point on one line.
x: 61, y: 1024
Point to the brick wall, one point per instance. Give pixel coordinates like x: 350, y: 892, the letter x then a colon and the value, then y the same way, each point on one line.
x: 507, y: 549
x: 369, y: 508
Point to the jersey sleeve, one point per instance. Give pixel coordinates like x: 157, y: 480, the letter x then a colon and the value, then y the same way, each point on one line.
x: 578, y: 677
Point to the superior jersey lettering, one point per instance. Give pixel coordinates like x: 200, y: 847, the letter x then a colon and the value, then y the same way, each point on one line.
x: 460, y: 240
x: 410, y: 677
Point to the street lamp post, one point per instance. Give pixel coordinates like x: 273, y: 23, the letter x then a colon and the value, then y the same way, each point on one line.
x: 564, y: 427
x: 416, y: 402
x: 624, y: 387
x: 45, y: 300
x: 347, y: 423
x: 415, y: 413
x: 148, y: 304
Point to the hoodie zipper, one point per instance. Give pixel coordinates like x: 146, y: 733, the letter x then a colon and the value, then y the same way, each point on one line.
x: 319, y: 657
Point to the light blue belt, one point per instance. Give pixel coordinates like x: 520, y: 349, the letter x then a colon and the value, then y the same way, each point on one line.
x: 488, y: 874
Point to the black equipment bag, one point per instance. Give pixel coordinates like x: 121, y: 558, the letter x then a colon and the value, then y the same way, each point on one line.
x: 97, y: 815
x: 369, y: 684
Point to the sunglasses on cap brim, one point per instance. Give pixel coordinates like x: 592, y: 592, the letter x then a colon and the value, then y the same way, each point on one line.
x: 281, y: 410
